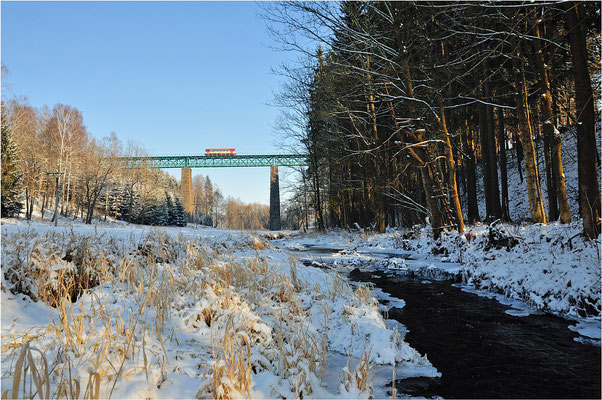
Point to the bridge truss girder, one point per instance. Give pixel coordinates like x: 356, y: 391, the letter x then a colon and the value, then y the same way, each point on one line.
x: 283, y: 160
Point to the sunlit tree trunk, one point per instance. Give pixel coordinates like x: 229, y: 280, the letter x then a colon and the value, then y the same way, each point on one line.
x: 451, y: 170
x: 551, y: 133
x: 589, y: 191
x: 532, y: 175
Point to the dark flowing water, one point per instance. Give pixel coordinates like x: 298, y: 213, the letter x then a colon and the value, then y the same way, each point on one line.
x: 481, y: 351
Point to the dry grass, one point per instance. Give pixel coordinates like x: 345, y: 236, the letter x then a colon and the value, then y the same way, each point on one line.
x: 364, y: 295
x: 231, y: 370
x: 31, y: 376
x: 358, y: 376
x: 97, y: 343
x: 257, y: 244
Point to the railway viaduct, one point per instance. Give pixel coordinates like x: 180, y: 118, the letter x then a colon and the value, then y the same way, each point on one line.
x: 186, y: 163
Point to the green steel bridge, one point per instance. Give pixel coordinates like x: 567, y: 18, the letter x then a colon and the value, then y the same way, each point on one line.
x: 186, y: 163
x: 243, y: 160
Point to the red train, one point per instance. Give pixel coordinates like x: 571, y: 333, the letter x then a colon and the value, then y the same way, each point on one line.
x: 220, y: 152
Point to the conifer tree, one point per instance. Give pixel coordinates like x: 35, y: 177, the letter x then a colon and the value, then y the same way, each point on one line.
x: 179, y: 213
x: 171, y: 211
x: 160, y: 214
x: 11, y: 175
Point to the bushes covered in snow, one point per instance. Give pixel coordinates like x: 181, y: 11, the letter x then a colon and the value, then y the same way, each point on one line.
x: 551, y: 267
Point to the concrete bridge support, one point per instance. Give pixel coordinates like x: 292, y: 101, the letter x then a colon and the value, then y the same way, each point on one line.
x: 274, y: 199
x: 186, y: 191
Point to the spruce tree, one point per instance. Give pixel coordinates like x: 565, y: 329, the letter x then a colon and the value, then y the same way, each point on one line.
x: 171, y: 211
x: 179, y: 213
x: 160, y: 215
x: 11, y: 175
x: 127, y: 205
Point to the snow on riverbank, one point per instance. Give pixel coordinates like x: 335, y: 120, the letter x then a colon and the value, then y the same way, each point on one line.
x: 185, y: 312
x: 551, y: 268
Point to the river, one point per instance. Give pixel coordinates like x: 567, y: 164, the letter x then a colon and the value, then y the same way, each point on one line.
x: 481, y: 350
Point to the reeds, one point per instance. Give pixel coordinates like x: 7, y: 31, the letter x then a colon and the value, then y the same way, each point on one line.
x: 358, y: 376
x: 115, y: 302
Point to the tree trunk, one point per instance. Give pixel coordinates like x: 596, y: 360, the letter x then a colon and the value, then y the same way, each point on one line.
x: 43, y: 203
x: 503, y: 164
x: 27, y: 200
x: 485, y: 162
x: 471, y: 176
x: 535, y: 200
x: 451, y: 170
x: 318, y: 202
x: 518, y: 145
x: 589, y: 191
x: 490, y: 150
x: 550, y: 178
x: 552, y: 136
x: 431, y: 201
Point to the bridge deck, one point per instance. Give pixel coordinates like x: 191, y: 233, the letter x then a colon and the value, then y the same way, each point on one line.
x: 244, y: 160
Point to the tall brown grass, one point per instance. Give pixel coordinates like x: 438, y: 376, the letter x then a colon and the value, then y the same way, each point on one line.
x: 110, y: 343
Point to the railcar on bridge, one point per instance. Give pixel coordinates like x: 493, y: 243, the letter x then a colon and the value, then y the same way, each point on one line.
x: 220, y: 152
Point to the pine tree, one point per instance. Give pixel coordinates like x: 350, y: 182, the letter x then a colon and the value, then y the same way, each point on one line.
x: 179, y: 213
x: 127, y: 206
x: 11, y: 176
x: 171, y: 211
x: 160, y: 215
x: 115, y: 200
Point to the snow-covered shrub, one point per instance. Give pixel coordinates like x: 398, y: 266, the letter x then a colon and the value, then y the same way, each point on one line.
x: 499, y: 237
x: 50, y: 266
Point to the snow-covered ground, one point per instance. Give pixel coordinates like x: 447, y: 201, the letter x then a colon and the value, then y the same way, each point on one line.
x: 202, y: 312
x: 551, y: 268
x: 185, y: 312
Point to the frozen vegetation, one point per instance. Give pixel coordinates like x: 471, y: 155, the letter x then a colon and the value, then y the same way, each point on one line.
x: 122, y: 311
x: 126, y: 312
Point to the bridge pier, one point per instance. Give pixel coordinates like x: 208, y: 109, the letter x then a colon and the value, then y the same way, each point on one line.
x: 274, y: 199
x: 186, y: 191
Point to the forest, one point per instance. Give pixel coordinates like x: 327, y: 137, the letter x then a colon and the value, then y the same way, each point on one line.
x: 409, y: 111
x: 49, y: 158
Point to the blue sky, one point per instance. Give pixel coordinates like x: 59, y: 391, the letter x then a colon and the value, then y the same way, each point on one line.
x: 175, y: 77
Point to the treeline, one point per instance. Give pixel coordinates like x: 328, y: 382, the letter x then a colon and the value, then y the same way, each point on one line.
x: 240, y: 215
x: 43, y: 147
x: 207, y: 201
x: 51, y: 162
x: 402, y: 101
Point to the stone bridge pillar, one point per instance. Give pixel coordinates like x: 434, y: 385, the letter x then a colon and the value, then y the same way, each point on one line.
x: 186, y: 191
x: 274, y: 199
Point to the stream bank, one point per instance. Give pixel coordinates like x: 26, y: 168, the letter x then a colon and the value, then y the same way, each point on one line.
x: 483, y: 348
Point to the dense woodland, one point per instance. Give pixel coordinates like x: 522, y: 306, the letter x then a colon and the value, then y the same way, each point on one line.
x: 43, y: 147
x: 403, y: 106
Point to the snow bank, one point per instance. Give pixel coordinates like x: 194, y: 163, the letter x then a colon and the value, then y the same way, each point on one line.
x: 551, y: 267
x: 183, y: 312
